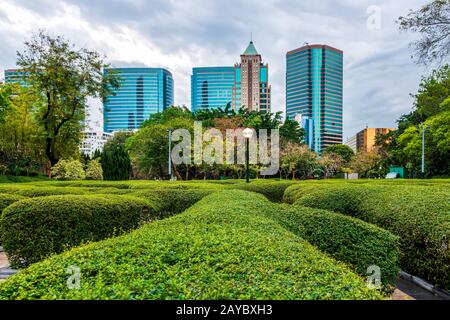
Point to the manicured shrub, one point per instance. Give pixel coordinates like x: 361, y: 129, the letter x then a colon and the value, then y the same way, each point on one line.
x: 220, y: 248
x: 50, y: 191
x: 33, y: 229
x: 172, y: 201
x: 6, y: 200
x: 419, y: 215
x: 94, y: 170
x: 345, y: 238
x: 273, y: 190
x: 68, y: 170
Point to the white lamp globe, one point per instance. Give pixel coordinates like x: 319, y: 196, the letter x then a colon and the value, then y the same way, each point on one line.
x: 248, y: 133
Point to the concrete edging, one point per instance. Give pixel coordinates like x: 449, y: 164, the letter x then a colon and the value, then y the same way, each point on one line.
x: 425, y: 285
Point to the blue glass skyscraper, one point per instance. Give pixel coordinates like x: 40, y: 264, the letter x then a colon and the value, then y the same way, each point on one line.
x: 211, y: 87
x: 314, y: 90
x: 143, y: 91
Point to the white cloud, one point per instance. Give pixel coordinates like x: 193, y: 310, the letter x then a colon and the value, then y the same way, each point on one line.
x: 179, y: 35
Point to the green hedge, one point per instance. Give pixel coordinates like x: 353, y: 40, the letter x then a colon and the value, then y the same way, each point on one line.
x: 273, y: 190
x: 32, y: 229
x: 6, y: 200
x: 172, y: 201
x: 220, y: 248
x: 345, y: 238
x: 419, y: 215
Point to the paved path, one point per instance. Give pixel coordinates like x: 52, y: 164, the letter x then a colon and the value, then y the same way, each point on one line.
x: 3, y: 260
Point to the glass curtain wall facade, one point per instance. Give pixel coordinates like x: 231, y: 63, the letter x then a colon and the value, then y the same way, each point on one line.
x: 16, y: 76
x: 211, y: 87
x: 143, y: 92
x: 314, y: 89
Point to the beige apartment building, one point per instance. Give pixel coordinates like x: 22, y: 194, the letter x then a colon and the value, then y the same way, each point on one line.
x: 365, y: 139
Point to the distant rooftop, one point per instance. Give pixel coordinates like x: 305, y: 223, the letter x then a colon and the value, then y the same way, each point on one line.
x: 251, y: 50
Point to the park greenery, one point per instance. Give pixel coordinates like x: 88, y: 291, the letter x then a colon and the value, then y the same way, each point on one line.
x: 222, y: 239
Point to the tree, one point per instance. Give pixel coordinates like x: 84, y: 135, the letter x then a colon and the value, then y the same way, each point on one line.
x: 331, y: 163
x: 291, y: 131
x: 64, y: 77
x: 364, y: 162
x: 20, y: 136
x: 432, y: 21
x: 116, y: 164
x: 298, y: 159
x: 433, y: 91
x: 68, y: 170
x: 119, y: 139
x: 437, y: 145
x: 94, y: 170
x: 342, y: 150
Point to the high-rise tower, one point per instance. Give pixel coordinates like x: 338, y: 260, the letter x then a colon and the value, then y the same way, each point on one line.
x: 251, y: 89
x: 314, y: 82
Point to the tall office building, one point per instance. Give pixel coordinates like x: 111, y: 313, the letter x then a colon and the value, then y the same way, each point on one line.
x: 211, y: 87
x: 252, y: 88
x: 16, y: 76
x: 314, y: 90
x: 143, y: 91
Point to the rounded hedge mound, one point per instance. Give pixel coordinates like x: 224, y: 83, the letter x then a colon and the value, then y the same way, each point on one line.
x: 347, y: 239
x: 419, y: 215
x: 220, y: 248
x: 32, y: 229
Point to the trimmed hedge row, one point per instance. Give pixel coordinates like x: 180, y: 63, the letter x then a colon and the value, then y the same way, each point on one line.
x: 220, y: 248
x: 420, y: 216
x: 173, y: 201
x: 273, y: 190
x: 33, y: 229
x: 345, y: 238
x: 41, y: 226
x: 6, y: 200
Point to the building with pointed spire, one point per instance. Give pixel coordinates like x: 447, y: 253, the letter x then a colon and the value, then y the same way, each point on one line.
x: 251, y: 88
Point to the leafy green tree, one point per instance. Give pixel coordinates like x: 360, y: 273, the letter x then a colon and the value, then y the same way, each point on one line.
x: 291, y: 131
x: 94, y: 170
x: 364, y: 162
x: 68, y: 170
x: 437, y: 145
x: 64, y: 77
x: 117, y: 140
x: 20, y: 136
x: 149, y: 147
x: 341, y: 150
x: 298, y: 161
x: 432, y: 21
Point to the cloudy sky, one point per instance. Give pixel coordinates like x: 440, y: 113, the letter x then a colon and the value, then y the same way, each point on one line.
x: 379, y: 74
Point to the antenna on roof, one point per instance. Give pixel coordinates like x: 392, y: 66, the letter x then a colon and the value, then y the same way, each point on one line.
x: 251, y: 36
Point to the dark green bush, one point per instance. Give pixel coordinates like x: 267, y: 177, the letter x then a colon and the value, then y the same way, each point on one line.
x: 172, y: 201
x: 33, y: 229
x: 419, y: 215
x: 220, y: 248
x: 273, y: 190
x: 345, y: 238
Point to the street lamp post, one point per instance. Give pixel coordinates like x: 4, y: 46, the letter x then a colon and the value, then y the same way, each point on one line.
x: 169, y: 131
x: 423, y: 147
x: 248, y: 133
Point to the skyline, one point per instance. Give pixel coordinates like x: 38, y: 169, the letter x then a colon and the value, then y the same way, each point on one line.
x: 202, y: 38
